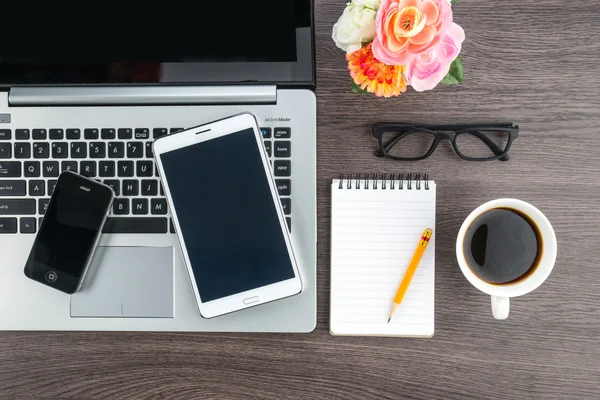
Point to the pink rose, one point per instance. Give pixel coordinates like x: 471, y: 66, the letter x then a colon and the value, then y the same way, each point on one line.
x: 408, y: 28
x: 429, y: 68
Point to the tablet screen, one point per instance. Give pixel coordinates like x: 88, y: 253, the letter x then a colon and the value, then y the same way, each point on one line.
x: 227, y: 216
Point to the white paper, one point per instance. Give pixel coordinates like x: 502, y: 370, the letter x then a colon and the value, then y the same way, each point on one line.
x: 374, y: 233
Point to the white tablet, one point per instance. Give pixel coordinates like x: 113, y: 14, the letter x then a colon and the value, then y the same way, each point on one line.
x: 227, y: 215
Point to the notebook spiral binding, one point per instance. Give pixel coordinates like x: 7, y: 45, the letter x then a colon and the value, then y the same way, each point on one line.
x: 383, y: 182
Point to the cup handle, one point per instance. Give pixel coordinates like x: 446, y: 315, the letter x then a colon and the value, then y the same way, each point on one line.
x: 500, y: 307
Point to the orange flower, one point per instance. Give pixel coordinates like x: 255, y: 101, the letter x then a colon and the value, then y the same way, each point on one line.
x: 374, y: 76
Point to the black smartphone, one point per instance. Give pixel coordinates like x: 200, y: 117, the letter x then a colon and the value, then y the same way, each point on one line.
x: 69, y: 232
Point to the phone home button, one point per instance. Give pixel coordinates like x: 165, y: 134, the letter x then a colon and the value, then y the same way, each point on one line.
x: 251, y: 300
x: 51, y: 276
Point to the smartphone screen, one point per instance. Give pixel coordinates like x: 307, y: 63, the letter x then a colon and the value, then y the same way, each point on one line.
x: 227, y: 215
x: 69, y: 232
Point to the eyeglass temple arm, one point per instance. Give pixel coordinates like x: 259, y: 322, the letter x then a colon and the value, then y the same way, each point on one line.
x: 444, y: 127
x: 497, y: 151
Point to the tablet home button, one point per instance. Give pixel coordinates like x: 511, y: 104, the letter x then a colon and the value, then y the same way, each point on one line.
x: 251, y: 300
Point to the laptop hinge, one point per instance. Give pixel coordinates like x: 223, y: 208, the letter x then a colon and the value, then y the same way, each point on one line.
x: 147, y: 95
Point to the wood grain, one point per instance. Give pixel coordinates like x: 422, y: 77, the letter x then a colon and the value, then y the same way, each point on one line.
x: 534, y: 63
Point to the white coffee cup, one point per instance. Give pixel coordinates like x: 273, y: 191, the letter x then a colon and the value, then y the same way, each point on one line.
x: 501, y: 293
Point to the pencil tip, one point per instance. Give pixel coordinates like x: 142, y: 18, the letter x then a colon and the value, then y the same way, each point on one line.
x: 389, y: 319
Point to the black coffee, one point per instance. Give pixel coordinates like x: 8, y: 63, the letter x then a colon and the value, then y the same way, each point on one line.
x: 502, y: 245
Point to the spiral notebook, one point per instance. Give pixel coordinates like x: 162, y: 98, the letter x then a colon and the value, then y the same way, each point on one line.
x: 376, y: 224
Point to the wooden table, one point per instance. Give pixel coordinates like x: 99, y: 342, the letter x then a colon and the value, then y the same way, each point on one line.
x: 534, y: 63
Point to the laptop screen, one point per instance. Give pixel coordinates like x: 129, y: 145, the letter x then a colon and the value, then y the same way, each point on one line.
x: 269, y: 41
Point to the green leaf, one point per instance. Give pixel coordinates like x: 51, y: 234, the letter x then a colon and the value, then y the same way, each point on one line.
x: 453, y: 2
x: 456, y: 74
x: 356, y: 89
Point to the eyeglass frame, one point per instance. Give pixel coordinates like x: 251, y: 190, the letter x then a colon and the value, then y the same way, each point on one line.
x: 404, y: 129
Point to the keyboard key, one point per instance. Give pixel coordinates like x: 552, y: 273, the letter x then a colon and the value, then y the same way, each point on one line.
x: 17, y: 206
x: 10, y: 169
x: 116, y: 150
x: 12, y: 188
x: 22, y: 150
x: 289, y: 223
x: 158, y: 206
x: 60, y: 150
x: 88, y: 168
x: 282, y: 168
x: 39, y: 134
x: 27, y: 225
x: 160, y: 132
x: 22, y: 134
x: 40, y: 219
x: 97, y: 150
x: 121, y: 206
x: 282, y: 133
x: 136, y: 225
x: 42, y: 206
x: 144, y: 168
x: 162, y: 190
x: 41, y: 150
x: 50, y: 168
x: 171, y: 226
x: 78, y: 150
x: 149, y: 150
x: 68, y: 166
x: 106, y: 169
x: 73, y: 134
x: 266, y: 132
x: 114, y: 184
x: 286, y: 204
x: 5, y: 134
x: 125, y: 133
x: 135, y: 150
x: 51, y: 186
x: 8, y: 225
x: 139, y: 206
x: 5, y: 151
x: 268, y: 147
x: 125, y: 168
x: 31, y: 169
x: 131, y: 187
x: 37, y: 188
x: 175, y: 130
x: 283, y: 149
x: 284, y: 187
x: 142, y: 133
x: 90, y: 133
x: 108, y: 133
x: 56, y: 134
x: 149, y: 187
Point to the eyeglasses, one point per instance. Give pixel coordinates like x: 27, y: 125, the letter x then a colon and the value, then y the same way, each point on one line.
x: 413, y: 142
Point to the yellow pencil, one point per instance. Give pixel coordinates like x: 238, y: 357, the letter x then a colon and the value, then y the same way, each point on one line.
x: 412, y: 267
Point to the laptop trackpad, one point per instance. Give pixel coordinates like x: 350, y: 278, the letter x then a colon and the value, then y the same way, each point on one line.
x: 127, y: 282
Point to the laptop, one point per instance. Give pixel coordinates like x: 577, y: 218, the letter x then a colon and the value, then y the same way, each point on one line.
x: 92, y: 97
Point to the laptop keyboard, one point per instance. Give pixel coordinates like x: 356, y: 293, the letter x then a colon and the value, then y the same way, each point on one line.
x: 32, y: 159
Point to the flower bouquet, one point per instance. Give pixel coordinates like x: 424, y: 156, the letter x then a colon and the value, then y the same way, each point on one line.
x: 393, y: 44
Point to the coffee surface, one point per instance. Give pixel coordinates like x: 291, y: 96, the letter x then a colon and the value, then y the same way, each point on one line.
x: 502, y: 245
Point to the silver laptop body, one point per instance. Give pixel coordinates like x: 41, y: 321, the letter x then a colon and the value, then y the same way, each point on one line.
x: 137, y: 281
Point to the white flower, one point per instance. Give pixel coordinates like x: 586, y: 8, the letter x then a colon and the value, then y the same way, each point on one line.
x: 374, y: 4
x: 356, y: 26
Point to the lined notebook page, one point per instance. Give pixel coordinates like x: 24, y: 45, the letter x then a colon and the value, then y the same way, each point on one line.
x: 374, y: 233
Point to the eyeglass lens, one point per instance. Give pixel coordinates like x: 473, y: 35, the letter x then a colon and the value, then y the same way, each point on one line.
x: 410, y: 144
x: 482, y: 143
